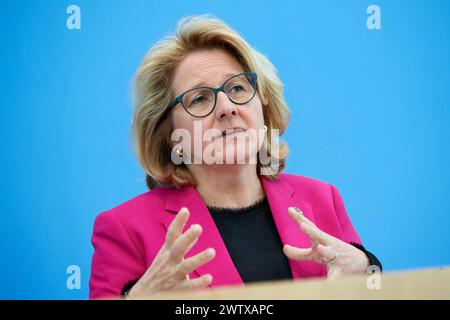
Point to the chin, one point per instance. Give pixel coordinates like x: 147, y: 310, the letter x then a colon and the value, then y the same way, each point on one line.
x: 229, y: 153
x: 235, y: 157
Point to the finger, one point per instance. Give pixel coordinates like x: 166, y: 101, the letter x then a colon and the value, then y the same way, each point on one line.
x: 184, y: 243
x: 308, y: 227
x: 200, y: 282
x: 295, y: 253
x: 297, y: 215
x: 314, y: 233
x: 192, y: 263
x: 333, y: 273
x: 327, y: 253
x: 179, y: 273
x: 176, y: 227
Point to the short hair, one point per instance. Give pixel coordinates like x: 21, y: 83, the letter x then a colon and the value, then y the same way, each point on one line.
x: 151, y: 131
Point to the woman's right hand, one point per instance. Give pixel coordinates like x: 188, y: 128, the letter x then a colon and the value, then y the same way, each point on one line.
x: 170, y: 270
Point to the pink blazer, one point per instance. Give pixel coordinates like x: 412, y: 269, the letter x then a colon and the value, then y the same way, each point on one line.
x: 127, y: 238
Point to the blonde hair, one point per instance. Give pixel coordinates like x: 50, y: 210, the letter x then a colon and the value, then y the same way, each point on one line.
x: 153, y: 94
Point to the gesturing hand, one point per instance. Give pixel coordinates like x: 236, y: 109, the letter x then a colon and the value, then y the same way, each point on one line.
x: 170, y: 270
x: 340, y: 257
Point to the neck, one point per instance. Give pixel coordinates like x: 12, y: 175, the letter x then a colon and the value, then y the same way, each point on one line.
x: 232, y: 186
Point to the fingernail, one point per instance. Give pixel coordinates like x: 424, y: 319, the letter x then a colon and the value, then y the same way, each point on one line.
x: 298, y: 210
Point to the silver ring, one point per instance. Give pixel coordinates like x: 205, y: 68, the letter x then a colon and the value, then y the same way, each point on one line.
x: 331, y: 260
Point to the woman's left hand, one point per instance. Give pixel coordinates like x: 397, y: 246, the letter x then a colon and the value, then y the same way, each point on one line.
x: 340, y: 257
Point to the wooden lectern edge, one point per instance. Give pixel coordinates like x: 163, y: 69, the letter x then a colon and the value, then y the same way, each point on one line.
x: 427, y: 283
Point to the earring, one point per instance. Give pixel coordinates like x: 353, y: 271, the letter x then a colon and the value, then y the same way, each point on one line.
x: 179, y: 152
x: 265, y: 127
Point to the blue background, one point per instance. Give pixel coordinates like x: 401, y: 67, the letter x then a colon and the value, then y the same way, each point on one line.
x: 370, y: 114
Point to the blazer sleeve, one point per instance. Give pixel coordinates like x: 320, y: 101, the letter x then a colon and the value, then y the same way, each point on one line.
x: 349, y: 233
x: 116, y: 259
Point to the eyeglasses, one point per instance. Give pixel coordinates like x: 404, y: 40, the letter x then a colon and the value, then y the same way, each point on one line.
x: 199, y: 102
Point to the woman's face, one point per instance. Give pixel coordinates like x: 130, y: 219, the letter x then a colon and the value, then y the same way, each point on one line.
x: 212, y: 67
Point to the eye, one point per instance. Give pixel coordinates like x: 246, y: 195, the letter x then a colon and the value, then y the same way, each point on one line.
x: 237, y: 88
x: 197, y: 100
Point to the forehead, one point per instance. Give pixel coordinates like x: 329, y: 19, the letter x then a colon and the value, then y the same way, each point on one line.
x: 209, y: 67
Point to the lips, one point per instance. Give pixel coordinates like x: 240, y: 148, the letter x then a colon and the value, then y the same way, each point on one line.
x: 230, y: 131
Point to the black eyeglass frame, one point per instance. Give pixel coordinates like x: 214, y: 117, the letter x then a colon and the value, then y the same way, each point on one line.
x: 179, y: 99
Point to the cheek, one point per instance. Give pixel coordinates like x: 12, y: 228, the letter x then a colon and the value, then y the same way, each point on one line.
x: 254, y: 114
x: 257, y: 118
x: 182, y: 120
x: 191, y: 130
x: 181, y: 126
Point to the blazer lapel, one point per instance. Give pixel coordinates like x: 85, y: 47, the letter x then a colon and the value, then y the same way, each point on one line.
x: 281, y: 196
x: 221, y: 268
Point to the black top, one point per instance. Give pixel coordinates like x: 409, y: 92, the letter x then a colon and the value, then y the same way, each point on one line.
x: 253, y: 242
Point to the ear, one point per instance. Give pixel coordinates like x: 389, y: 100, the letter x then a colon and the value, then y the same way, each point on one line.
x: 169, y: 142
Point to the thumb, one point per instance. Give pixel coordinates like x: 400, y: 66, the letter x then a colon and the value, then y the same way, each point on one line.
x: 295, y: 253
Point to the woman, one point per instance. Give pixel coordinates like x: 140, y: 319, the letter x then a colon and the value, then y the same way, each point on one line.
x: 217, y: 213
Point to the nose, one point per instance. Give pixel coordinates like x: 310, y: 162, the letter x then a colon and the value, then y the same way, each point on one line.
x: 224, y: 107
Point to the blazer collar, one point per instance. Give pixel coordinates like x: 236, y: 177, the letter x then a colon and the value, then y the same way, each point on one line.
x: 280, y: 194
